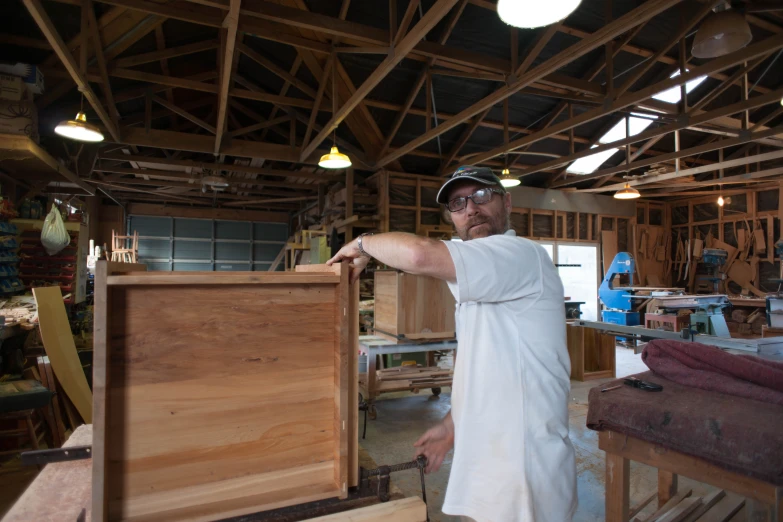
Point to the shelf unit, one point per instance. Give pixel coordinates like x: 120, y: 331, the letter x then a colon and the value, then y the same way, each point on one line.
x: 68, y: 267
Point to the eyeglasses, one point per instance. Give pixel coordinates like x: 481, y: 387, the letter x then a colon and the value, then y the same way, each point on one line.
x: 479, y: 197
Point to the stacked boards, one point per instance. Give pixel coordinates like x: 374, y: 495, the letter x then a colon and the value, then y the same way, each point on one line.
x: 222, y: 394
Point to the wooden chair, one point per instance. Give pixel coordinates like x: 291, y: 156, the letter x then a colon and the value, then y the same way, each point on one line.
x: 120, y: 251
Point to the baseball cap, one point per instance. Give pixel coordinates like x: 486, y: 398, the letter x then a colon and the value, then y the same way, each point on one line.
x: 480, y: 174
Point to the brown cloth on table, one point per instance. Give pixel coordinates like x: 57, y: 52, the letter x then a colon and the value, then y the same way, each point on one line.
x: 734, y: 433
x: 712, y: 369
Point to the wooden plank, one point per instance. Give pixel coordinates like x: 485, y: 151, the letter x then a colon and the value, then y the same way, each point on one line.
x: 282, y: 387
x: 608, y: 248
x: 681, y: 510
x: 707, y: 503
x: 667, y: 486
x: 410, y: 509
x: 724, y: 510
x: 58, y: 428
x: 61, y: 349
x: 219, y: 278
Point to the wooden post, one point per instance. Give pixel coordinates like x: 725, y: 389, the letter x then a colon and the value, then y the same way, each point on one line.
x: 618, y: 474
x: 348, y: 202
x: 667, y: 486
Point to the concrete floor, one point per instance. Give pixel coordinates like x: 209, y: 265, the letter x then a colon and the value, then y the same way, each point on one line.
x: 404, y: 417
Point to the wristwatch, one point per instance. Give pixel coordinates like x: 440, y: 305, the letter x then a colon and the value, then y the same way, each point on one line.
x: 359, y: 243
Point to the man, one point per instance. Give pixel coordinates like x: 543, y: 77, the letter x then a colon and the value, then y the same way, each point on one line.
x: 513, y: 460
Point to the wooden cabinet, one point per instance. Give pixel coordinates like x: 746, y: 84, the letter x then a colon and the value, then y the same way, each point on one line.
x: 218, y: 394
x: 592, y: 353
x: 412, y: 307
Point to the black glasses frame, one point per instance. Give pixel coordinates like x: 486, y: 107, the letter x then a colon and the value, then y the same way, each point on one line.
x: 461, y: 203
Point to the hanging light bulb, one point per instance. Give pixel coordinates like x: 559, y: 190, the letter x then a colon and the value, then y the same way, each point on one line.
x: 78, y: 128
x: 335, y: 159
x: 527, y: 14
x: 507, y: 180
x: 721, y: 201
x: 627, y: 192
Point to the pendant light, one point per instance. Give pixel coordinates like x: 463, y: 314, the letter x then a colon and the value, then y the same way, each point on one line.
x: 78, y: 129
x: 507, y: 180
x: 721, y: 201
x: 527, y: 14
x: 334, y: 159
x: 721, y: 33
x: 627, y: 192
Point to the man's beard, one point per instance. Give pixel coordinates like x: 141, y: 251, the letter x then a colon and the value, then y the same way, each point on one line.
x: 490, y: 226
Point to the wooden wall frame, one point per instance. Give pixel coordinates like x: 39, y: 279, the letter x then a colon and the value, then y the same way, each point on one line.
x: 218, y: 394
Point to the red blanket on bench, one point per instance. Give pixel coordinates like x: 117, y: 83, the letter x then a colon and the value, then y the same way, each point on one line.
x: 712, y: 369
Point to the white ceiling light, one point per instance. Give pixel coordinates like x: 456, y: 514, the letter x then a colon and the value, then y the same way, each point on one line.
x: 720, y: 34
x: 528, y: 14
x: 78, y: 129
x: 627, y: 192
x: 507, y: 180
x: 334, y: 160
x: 216, y: 182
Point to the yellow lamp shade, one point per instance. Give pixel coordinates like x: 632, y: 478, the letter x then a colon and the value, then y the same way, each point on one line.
x: 334, y: 160
x: 627, y: 192
x: 78, y: 129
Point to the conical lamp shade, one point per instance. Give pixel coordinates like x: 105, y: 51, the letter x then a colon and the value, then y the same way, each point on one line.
x: 627, y: 193
x: 720, y: 34
x: 335, y: 160
x: 78, y: 129
x: 507, y: 180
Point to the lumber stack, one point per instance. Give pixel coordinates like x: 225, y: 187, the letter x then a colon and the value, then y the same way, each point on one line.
x: 683, y: 507
x: 413, y: 378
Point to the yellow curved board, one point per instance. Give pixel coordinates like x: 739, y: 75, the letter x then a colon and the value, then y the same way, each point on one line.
x: 59, y: 346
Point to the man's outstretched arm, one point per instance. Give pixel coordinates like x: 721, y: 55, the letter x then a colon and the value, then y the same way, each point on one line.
x: 407, y: 252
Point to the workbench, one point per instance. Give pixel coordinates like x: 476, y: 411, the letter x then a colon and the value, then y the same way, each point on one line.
x: 62, y: 491
x: 373, y: 346
x: 723, y: 440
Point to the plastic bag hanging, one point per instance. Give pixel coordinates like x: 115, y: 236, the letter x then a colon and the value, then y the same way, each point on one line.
x: 54, y: 236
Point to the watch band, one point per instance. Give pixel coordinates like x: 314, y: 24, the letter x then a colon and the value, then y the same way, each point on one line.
x: 359, y: 244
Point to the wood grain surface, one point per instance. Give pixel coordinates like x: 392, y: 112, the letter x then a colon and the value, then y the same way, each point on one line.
x: 225, y: 399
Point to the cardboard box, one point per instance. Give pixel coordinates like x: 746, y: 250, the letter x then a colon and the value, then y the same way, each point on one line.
x: 11, y: 87
x: 31, y: 75
x: 19, y: 117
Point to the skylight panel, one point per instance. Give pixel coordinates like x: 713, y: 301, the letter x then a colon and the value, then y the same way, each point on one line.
x: 674, y: 94
x: 590, y: 164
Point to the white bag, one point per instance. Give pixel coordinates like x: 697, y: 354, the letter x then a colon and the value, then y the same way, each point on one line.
x: 53, y: 235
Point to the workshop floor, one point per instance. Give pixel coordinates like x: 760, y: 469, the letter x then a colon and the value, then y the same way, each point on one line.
x: 403, y: 417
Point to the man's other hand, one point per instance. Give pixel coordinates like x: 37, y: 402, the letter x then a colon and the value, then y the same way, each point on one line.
x: 435, y: 444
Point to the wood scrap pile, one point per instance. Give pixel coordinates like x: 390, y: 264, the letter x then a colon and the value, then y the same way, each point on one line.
x: 741, y: 266
x: 715, y: 506
x: 651, y: 245
x: 413, y: 378
x: 744, y: 322
x: 21, y: 310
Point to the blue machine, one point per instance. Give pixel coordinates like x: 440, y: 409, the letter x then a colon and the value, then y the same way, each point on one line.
x: 618, y: 301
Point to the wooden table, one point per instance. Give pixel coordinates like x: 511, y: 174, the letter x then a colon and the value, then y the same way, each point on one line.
x: 677, y: 322
x: 622, y: 449
x: 373, y: 346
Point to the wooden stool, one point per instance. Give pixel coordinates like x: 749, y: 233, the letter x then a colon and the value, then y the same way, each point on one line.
x: 120, y: 252
x: 677, y: 322
x: 29, y: 431
x: 622, y: 449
